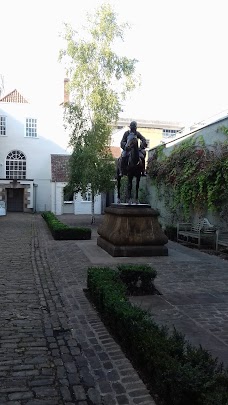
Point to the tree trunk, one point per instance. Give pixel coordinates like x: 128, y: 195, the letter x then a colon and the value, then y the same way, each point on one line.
x: 92, y: 210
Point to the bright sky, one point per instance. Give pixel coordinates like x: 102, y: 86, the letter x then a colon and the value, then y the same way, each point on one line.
x: 181, y: 46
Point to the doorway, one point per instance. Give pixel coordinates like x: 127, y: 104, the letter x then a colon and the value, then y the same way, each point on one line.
x: 15, y: 199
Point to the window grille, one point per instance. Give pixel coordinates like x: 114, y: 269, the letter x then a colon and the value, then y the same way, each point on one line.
x: 168, y: 133
x: 16, y: 165
x: 31, y: 127
x: 2, y: 125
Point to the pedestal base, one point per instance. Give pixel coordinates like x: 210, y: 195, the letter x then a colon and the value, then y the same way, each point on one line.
x: 131, y: 251
x: 132, y: 230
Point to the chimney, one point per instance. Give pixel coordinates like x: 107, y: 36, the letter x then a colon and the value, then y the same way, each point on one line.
x: 66, y: 91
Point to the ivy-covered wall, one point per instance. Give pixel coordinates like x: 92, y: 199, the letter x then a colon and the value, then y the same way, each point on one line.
x: 188, y: 178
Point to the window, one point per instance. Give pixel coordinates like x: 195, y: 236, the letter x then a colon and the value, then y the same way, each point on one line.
x: 87, y: 196
x: 67, y: 195
x: 31, y: 127
x: 16, y: 165
x: 169, y: 133
x: 2, y: 125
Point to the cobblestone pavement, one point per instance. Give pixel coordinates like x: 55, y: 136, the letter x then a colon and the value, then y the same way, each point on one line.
x: 53, y: 347
x: 194, y: 298
x: 193, y: 287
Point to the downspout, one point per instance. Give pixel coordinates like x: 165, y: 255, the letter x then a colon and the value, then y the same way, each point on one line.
x: 55, y: 198
x: 35, y: 197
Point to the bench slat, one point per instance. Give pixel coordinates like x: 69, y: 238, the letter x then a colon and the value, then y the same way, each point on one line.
x: 202, y: 229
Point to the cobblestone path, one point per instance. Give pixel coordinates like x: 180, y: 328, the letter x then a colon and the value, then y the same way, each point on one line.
x: 53, y: 347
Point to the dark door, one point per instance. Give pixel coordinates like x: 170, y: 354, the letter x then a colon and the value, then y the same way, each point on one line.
x: 15, y: 199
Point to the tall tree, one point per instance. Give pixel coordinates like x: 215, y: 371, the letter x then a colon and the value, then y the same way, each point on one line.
x: 99, y: 82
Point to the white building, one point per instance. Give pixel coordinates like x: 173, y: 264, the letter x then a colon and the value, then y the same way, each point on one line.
x: 78, y: 203
x: 33, y: 165
x: 25, y: 157
x: 33, y: 169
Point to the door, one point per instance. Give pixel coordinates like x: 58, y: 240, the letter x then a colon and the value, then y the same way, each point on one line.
x: 15, y: 199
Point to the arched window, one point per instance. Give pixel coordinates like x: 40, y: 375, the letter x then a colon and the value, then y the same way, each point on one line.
x: 16, y: 165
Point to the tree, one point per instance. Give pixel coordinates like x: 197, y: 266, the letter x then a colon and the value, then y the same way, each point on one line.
x: 99, y: 81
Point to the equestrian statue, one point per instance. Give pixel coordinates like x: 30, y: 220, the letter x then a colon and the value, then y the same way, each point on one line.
x: 131, y: 163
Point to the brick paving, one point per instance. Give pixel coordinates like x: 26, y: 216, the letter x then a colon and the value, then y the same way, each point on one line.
x: 54, y: 349
x: 193, y: 287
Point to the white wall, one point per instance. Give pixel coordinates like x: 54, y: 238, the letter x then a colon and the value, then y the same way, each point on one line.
x: 85, y: 207
x: 117, y: 136
x: 80, y: 206
x: 211, y: 134
x: 37, y: 150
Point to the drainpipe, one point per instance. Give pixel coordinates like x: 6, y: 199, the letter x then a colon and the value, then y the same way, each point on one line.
x: 35, y: 197
x: 55, y: 198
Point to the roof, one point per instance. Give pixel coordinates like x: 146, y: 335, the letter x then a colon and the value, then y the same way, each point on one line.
x: 59, y: 167
x: 141, y: 123
x: 116, y: 151
x: 13, y: 97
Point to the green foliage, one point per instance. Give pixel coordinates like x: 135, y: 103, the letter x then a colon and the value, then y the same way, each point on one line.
x: 91, y: 166
x: 95, y: 70
x: 223, y: 129
x: 139, y: 278
x: 171, y: 232
x: 177, y: 372
x: 99, y: 82
x: 62, y: 231
x: 195, y: 177
x: 144, y: 195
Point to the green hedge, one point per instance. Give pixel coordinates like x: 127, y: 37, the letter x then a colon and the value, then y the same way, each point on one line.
x: 177, y: 372
x: 139, y: 278
x: 62, y: 231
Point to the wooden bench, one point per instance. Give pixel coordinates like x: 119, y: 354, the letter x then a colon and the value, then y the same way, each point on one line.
x: 203, y: 231
x: 222, y: 239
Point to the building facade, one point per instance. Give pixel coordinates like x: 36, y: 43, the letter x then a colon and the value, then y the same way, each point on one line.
x: 33, y: 167
x: 155, y: 132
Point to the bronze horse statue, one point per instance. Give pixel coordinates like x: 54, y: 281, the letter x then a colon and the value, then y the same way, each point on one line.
x: 134, y: 168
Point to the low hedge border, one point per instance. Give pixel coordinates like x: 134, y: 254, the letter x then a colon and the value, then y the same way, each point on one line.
x: 174, y: 370
x: 62, y: 231
x: 139, y: 278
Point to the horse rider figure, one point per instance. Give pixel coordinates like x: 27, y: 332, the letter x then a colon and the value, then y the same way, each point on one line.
x: 127, y: 136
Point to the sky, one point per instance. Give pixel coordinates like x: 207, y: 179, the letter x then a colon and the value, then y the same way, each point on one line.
x: 180, y: 45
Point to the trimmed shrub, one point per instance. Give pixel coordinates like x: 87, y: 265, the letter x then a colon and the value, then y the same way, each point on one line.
x: 177, y: 372
x: 62, y: 231
x: 171, y: 232
x: 139, y: 278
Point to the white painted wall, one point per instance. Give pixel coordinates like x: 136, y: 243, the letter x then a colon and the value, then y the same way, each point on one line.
x: 117, y: 136
x: 211, y: 134
x: 85, y: 207
x: 49, y: 195
x: 79, y: 205
x: 37, y: 150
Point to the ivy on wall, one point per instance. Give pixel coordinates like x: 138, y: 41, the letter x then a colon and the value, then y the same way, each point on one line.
x: 194, y: 176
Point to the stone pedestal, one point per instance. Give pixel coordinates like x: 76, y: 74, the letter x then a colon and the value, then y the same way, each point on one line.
x: 132, y: 230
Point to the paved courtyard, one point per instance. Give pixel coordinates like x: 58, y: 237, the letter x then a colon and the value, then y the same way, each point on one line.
x: 53, y: 347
